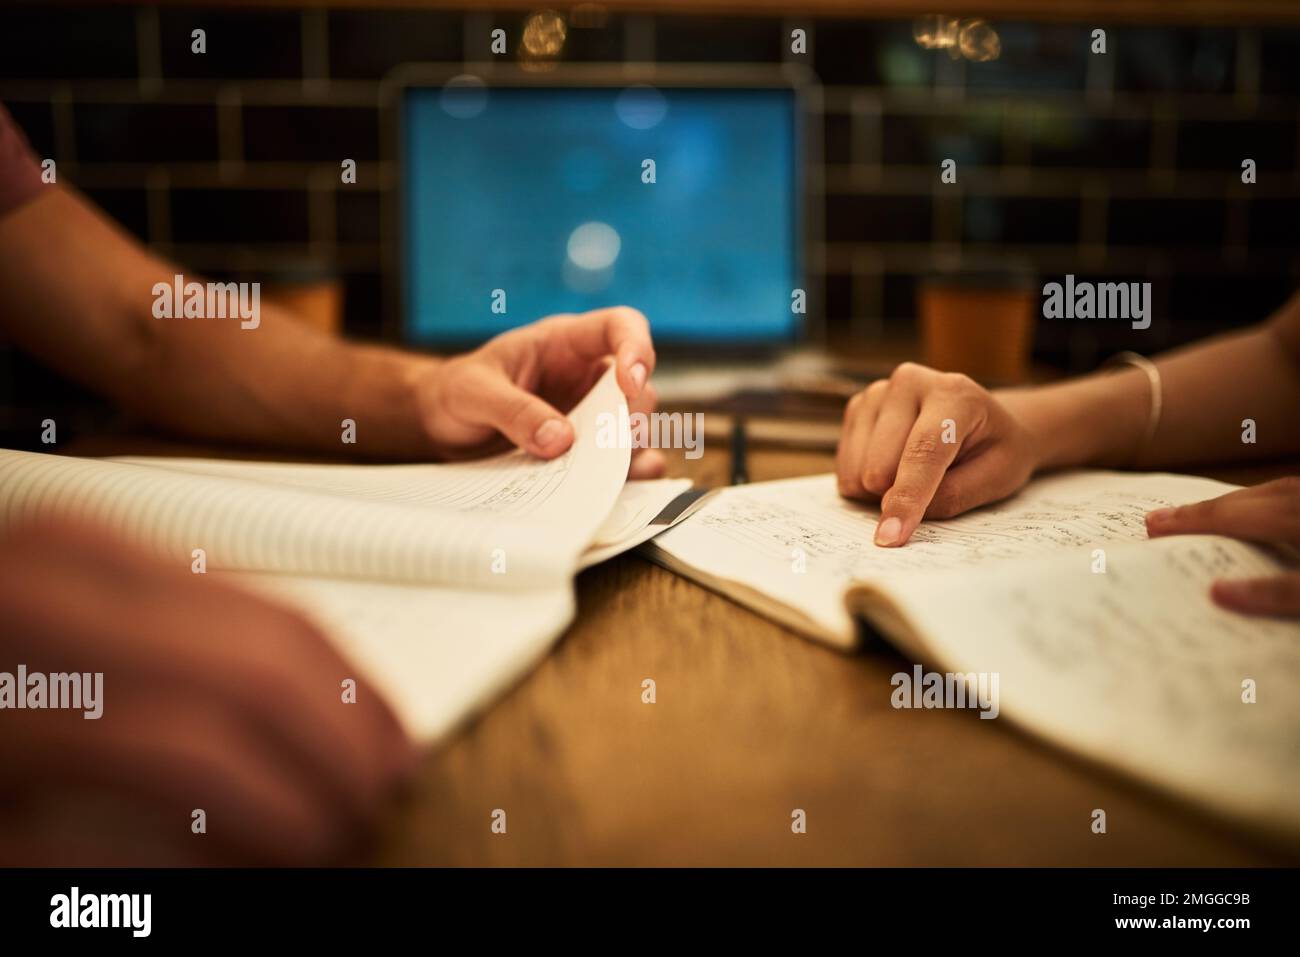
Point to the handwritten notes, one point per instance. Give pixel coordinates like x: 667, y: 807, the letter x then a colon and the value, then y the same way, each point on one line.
x: 1135, y: 666
x: 759, y: 535
x: 1126, y: 661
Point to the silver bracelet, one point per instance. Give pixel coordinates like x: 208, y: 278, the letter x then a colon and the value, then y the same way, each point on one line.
x: 1157, y: 390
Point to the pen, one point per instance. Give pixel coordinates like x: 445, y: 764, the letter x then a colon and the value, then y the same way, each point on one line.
x: 739, y: 453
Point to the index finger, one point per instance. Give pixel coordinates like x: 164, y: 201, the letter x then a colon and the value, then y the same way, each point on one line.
x: 1256, y: 514
x: 622, y: 332
x: 927, y: 453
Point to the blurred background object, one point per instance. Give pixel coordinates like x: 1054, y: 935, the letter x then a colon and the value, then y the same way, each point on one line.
x: 1123, y: 165
x: 309, y: 291
x: 546, y: 194
x: 980, y: 323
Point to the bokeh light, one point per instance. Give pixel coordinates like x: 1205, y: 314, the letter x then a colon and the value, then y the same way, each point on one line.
x: 544, y: 35
x: 935, y: 31
x: 463, y: 97
x: 594, y: 246
x: 979, y: 41
x: 641, y: 107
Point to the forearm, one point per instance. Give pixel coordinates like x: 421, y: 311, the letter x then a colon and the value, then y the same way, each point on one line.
x: 1098, y: 420
x: 1208, y: 390
x: 79, y: 294
x: 285, y: 385
x: 1212, y: 392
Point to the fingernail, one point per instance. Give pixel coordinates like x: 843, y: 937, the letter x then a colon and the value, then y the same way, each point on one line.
x: 1160, y: 521
x: 637, y: 373
x: 547, y: 433
x: 1231, y: 590
x: 889, y: 531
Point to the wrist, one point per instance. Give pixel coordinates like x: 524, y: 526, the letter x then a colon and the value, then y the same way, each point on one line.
x: 1046, y: 421
x: 388, y: 388
x: 1099, y: 420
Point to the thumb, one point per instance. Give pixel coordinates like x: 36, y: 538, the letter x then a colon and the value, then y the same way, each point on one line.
x: 529, y: 422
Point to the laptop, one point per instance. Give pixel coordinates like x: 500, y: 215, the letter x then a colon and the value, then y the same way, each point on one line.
x: 677, y: 190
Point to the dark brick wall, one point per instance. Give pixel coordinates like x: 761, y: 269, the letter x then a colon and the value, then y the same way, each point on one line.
x: 1126, y: 165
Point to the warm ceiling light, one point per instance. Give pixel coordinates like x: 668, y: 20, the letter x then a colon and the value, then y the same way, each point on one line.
x: 975, y: 39
x: 544, y: 34
x: 979, y: 41
x: 935, y: 31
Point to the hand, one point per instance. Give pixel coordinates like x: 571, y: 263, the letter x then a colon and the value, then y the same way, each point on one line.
x: 929, y: 444
x: 211, y: 698
x: 1268, y: 513
x: 519, y: 384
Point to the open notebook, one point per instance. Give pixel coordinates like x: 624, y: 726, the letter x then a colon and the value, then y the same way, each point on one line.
x: 443, y: 583
x: 1132, y: 666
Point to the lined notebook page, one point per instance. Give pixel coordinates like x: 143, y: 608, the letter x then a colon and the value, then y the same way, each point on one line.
x: 250, y: 525
x: 436, y: 654
x: 449, y: 524
x: 1135, y: 666
x: 802, y: 544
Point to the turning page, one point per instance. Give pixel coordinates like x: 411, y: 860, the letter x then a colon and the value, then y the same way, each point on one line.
x: 388, y: 560
x: 793, y: 548
x: 445, y: 523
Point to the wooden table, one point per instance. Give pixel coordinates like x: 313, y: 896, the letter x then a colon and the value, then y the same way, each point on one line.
x: 751, y: 722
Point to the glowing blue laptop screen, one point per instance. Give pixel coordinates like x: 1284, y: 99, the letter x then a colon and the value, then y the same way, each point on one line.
x: 523, y: 202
